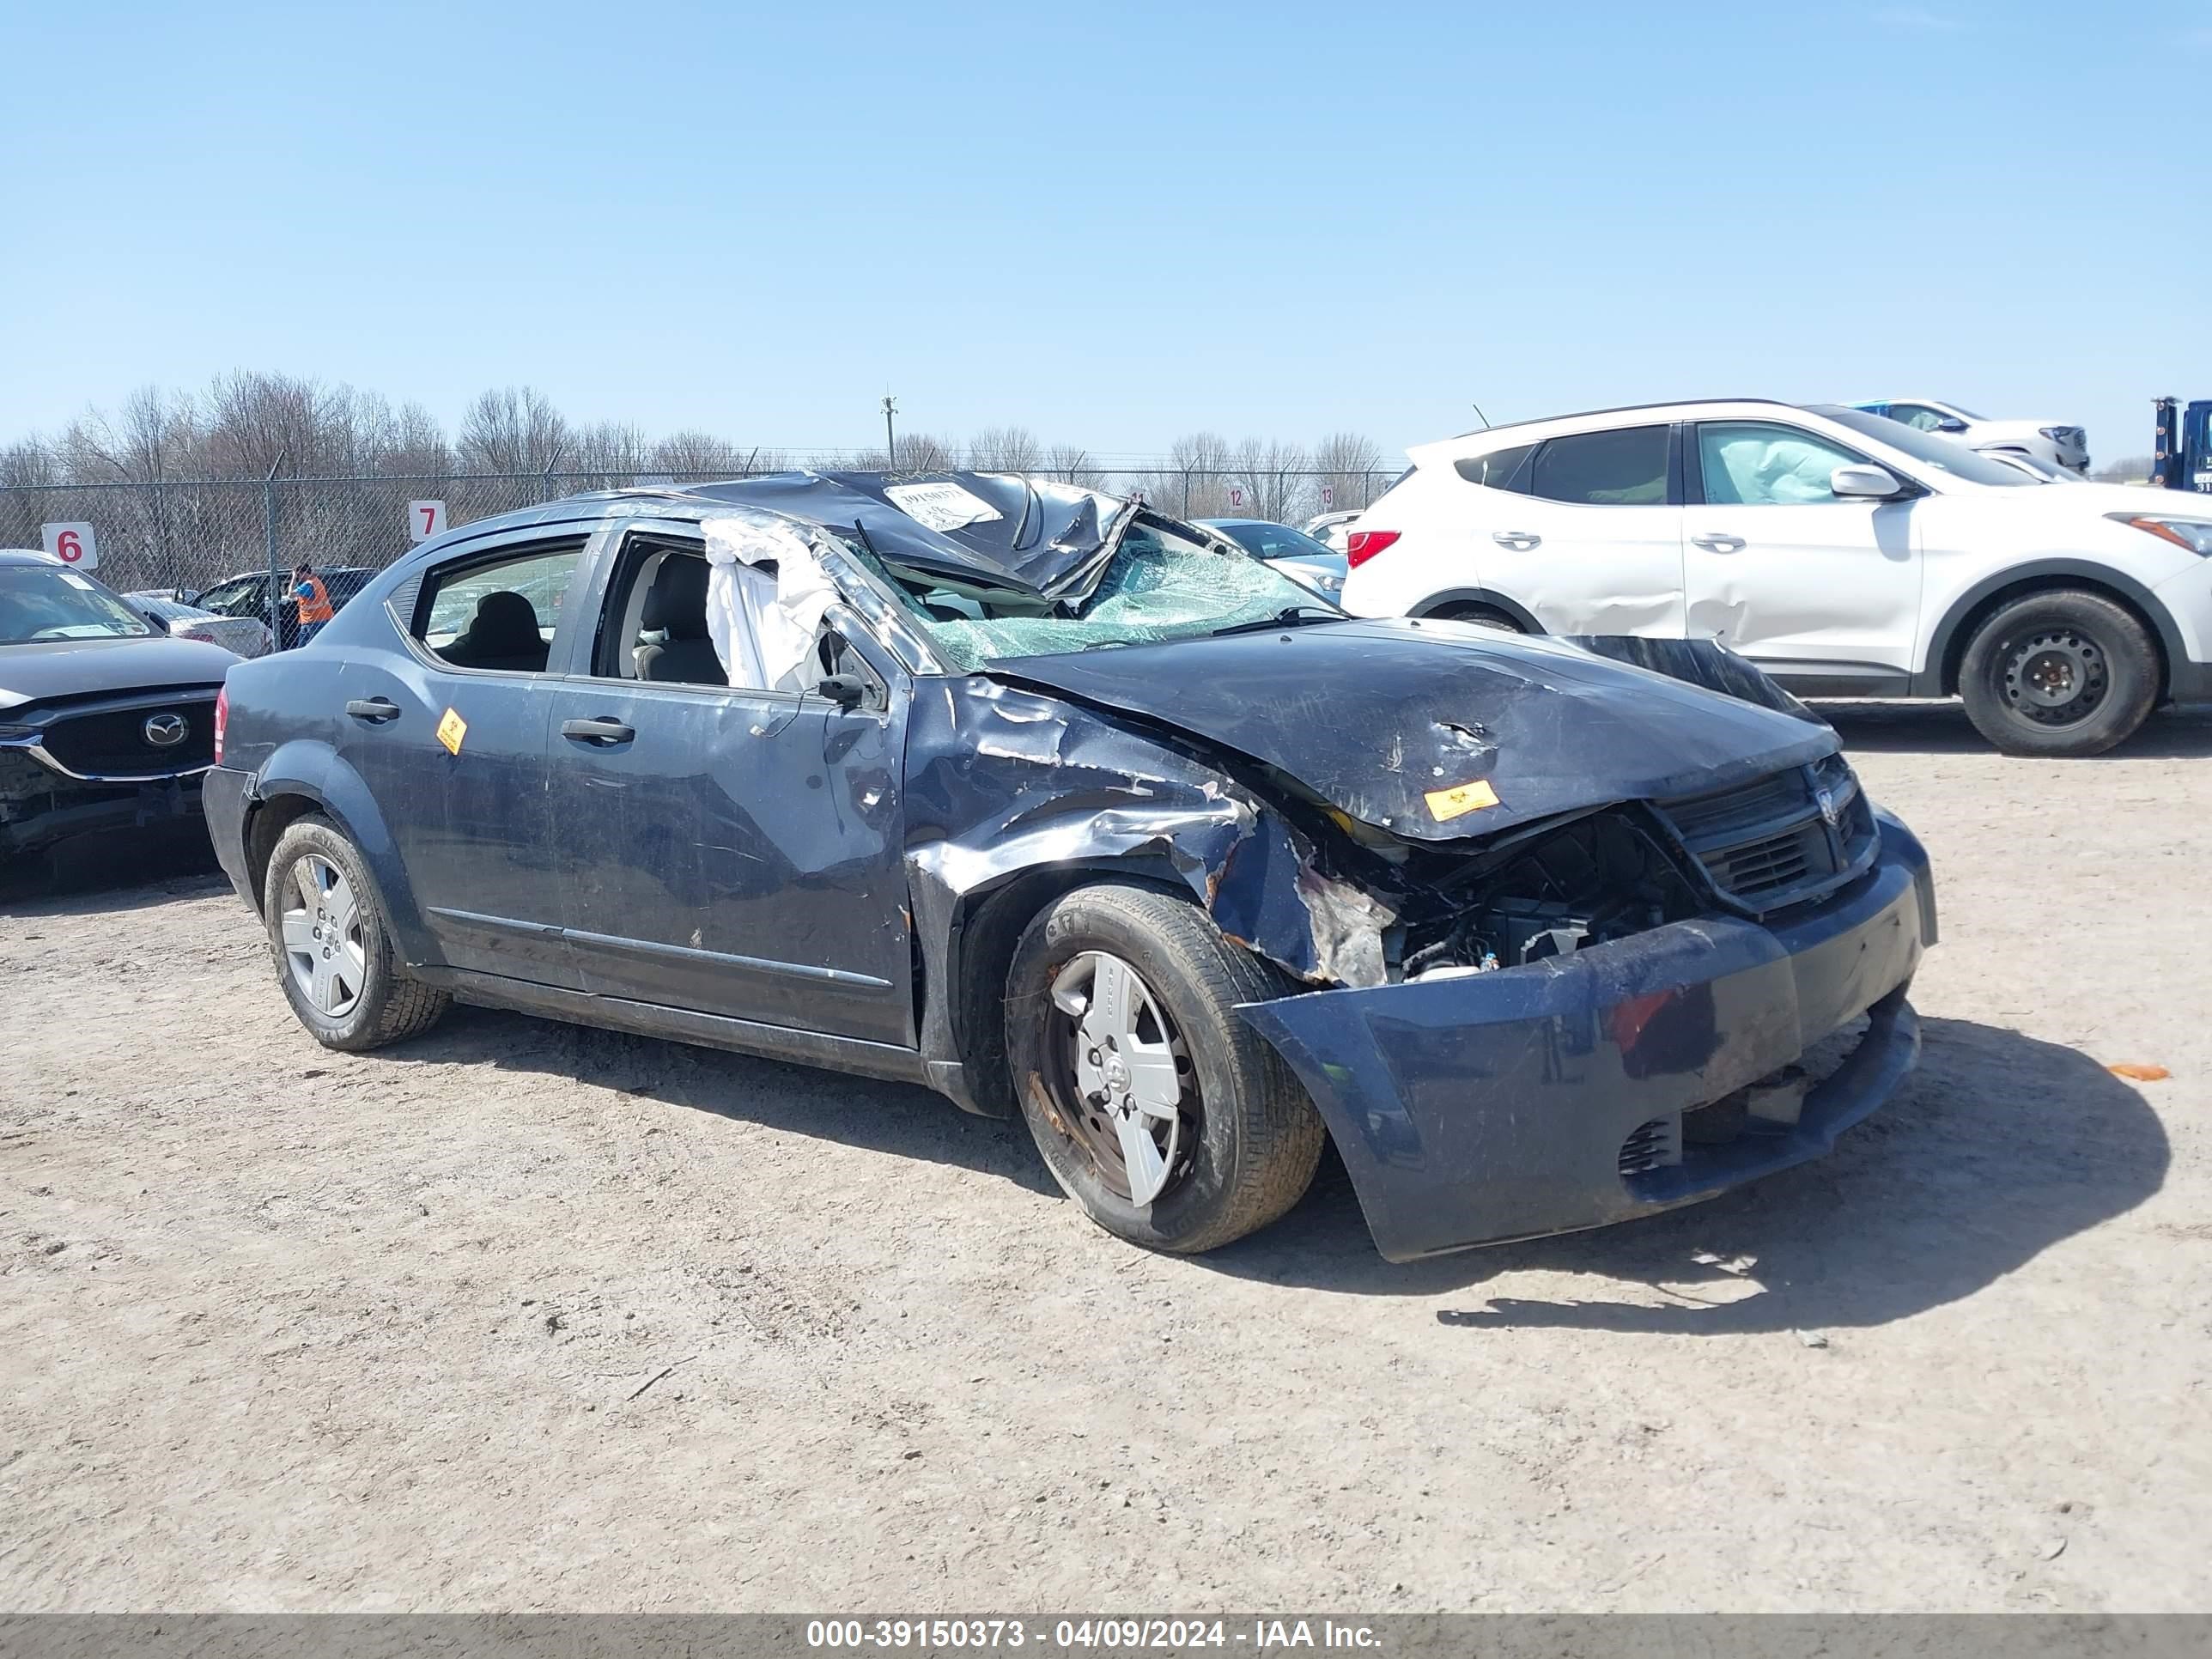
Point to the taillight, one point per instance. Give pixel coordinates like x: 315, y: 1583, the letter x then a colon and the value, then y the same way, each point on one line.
x: 222, y: 719
x: 201, y: 634
x: 1363, y: 544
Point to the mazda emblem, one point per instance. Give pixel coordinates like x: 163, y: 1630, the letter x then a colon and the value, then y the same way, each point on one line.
x: 165, y: 731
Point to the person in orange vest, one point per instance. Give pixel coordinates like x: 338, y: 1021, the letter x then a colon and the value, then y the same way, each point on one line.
x: 315, y: 606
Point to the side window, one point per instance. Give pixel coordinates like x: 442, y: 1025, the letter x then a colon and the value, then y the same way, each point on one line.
x: 1502, y: 469
x: 498, y: 613
x: 1624, y: 468
x: 654, y: 626
x: 1756, y: 464
x: 1918, y: 416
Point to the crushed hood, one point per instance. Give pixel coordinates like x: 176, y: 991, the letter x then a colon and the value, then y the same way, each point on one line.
x: 994, y: 529
x: 1443, y: 731
x: 76, y: 668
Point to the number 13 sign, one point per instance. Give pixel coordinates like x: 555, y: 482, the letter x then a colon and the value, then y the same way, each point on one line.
x: 425, y: 519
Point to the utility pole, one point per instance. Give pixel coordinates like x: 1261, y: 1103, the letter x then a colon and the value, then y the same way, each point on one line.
x: 890, y: 447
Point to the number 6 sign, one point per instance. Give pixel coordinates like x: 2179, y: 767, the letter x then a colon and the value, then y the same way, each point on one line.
x: 72, y: 543
x: 425, y: 519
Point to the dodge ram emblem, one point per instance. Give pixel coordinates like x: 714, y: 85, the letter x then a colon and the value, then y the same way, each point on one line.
x: 1828, y: 808
x: 165, y: 731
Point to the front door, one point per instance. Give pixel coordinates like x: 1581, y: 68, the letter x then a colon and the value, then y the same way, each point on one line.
x: 1778, y: 567
x: 734, y: 851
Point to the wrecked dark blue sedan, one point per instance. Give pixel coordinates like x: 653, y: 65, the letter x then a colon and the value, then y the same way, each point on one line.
x: 1066, y: 808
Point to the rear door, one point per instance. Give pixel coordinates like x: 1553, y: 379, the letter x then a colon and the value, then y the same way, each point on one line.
x: 448, y: 730
x: 1585, y: 531
x: 1778, y: 567
x: 730, y: 850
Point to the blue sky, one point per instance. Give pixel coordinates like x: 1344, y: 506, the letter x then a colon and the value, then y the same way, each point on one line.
x: 1113, y: 224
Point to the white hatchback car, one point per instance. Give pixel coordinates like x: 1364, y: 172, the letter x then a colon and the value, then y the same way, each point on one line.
x: 1845, y: 553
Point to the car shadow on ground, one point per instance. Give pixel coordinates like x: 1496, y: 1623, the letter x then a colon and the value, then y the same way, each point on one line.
x: 1999, y: 1147
x: 115, y: 873
x: 902, y: 1120
x: 1942, y: 728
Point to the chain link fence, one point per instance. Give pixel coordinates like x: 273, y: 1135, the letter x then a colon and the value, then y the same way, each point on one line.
x: 183, y: 539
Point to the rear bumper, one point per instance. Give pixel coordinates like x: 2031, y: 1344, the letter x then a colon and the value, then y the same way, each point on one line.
x: 226, y: 797
x: 1495, y: 1107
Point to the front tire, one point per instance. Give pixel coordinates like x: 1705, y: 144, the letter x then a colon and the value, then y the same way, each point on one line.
x: 333, y: 943
x: 1154, y: 1106
x: 2059, y: 674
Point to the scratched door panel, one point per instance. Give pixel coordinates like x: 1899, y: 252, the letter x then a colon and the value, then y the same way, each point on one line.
x: 738, y: 853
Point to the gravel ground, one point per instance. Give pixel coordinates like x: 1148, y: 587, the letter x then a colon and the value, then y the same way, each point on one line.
x: 522, y: 1316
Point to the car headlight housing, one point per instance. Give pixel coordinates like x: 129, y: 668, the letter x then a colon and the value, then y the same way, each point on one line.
x: 2195, y: 534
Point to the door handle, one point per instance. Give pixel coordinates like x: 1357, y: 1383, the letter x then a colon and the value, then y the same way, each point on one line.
x: 374, y: 710
x: 597, y: 731
x: 1519, y: 540
x: 1713, y: 543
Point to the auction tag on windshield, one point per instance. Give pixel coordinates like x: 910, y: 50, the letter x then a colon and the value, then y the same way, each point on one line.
x: 1456, y: 802
x: 940, y: 507
x: 451, y: 730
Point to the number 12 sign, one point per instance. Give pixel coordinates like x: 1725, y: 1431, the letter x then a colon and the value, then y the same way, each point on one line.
x: 425, y: 519
x: 74, y: 545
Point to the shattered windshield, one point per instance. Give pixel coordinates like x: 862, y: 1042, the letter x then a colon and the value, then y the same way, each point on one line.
x: 1159, y: 586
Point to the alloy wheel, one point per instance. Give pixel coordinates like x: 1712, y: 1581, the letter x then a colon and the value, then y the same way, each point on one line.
x: 324, y: 950
x: 1122, y: 1077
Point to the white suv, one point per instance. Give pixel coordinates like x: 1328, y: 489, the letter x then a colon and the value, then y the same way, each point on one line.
x: 1845, y: 553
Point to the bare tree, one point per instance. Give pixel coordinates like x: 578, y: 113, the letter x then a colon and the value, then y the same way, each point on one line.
x: 2130, y: 469
x: 1350, y: 465
x: 702, y: 454
x: 256, y: 422
x: 1005, y: 449
x: 1271, y: 476
x: 512, y: 429
x: 1072, y: 464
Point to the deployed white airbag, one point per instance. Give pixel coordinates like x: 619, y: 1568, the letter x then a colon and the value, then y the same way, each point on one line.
x: 767, y: 594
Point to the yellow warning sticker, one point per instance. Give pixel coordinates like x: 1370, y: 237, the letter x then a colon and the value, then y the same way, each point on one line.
x: 1465, y: 797
x: 452, y: 728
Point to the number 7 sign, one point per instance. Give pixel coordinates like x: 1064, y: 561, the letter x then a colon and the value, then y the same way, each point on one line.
x: 425, y: 519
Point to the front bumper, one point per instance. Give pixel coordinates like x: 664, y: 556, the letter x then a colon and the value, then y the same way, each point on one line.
x: 1499, y: 1106
x: 71, y: 809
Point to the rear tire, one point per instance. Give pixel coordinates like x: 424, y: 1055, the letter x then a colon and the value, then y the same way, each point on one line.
x: 1244, y: 1139
x: 2064, y: 673
x: 332, y: 945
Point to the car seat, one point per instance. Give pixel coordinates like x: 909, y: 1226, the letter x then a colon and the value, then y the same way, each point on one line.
x: 677, y: 602
x: 502, y: 635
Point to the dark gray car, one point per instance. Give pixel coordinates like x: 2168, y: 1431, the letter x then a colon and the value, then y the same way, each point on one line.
x: 1065, y: 809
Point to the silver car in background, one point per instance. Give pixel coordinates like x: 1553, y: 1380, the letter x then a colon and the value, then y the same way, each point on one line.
x: 242, y: 636
x: 1312, y: 564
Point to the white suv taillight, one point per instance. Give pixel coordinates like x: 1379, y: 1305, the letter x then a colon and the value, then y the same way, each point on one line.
x: 222, y: 719
x: 1363, y: 544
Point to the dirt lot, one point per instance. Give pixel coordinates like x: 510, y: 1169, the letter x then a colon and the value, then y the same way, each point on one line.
x: 529, y: 1317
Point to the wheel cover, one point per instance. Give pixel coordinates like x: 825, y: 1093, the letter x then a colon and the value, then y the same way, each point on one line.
x: 323, y: 950
x: 1121, y: 1077
x: 2054, y: 676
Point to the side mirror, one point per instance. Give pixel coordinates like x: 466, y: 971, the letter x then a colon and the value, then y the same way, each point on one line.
x: 846, y: 691
x: 1864, y: 483
x: 157, y: 622
x: 1950, y: 425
